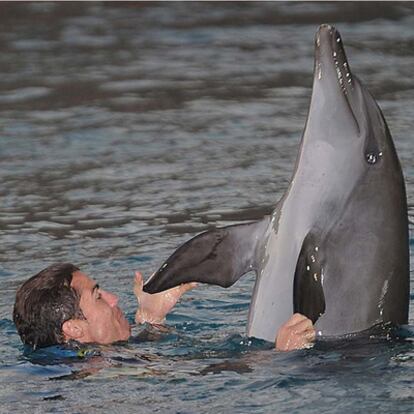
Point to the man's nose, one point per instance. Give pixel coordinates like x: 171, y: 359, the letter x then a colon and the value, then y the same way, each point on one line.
x: 110, y: 298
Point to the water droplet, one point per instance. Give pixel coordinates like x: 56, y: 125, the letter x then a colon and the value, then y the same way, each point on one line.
x: 380, y: 154
x: 316, y: 248
x: 313, y: 260
x: 315, y: 277
x: 338, y: 40
x: 334, y: 54
x: 371, y: 158
x: 308, y: 268
x: 164, y: 266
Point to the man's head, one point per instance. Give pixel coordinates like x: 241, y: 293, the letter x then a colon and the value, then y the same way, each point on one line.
x: 61, y: 303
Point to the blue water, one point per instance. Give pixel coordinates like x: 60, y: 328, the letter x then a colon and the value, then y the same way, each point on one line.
x: 125, y: 130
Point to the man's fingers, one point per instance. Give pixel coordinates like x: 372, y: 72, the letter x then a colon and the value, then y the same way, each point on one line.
x: 180, y: 290
x: 297, y: 333
x: 138, y: 284
x: 295, y: 319
x: 306, y: 338
x: 138, y: 278
x: 303, y: 325
x: 187, y: 286
x: 309, y: 334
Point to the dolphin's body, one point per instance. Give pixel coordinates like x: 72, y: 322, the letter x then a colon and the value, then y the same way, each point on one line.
x: 336, y: 246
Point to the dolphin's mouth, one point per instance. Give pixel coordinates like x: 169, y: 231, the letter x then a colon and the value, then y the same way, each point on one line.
x: 330, y: 55
x: 331, y: 65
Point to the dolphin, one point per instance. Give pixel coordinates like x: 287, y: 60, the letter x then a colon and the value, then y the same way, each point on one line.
x: 335, y: 247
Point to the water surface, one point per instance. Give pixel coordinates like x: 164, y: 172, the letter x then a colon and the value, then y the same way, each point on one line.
x: 125, y: 130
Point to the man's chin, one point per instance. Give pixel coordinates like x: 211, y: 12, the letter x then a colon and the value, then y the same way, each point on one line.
x: 126, y: 332
x: 125, y: 328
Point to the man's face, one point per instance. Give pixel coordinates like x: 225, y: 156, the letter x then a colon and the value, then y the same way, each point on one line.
x: 105, y: 323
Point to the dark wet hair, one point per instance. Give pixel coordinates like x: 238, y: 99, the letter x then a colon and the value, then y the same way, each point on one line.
x: 44, y: 303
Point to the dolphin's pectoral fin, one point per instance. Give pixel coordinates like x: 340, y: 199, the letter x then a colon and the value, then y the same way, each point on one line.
x: 308, y: 296
x: 219, y: 257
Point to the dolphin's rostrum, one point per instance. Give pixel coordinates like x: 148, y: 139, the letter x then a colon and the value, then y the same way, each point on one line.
x: 336, y: 246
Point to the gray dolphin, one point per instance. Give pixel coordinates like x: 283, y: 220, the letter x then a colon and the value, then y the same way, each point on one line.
x: 336, y: 246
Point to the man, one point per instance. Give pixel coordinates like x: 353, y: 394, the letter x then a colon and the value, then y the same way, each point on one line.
x: 60, y: 304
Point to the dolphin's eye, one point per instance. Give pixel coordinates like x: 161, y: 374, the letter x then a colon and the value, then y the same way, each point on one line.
x: 372, y: 157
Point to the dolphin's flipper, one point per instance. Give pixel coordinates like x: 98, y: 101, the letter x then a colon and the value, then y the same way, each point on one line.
x: 219, y: 257
x: 308, y: 296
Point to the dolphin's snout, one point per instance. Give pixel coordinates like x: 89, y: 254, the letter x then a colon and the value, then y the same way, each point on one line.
x: 330, y: 57
x: 326, y: 28
x: 327, y: 35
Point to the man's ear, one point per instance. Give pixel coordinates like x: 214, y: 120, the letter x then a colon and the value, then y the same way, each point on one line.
x: 74, y: 329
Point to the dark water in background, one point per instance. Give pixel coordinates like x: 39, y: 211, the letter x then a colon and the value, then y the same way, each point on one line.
x: 124, y: 130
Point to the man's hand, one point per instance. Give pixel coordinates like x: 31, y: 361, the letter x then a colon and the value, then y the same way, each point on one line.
x: 154, y: 308
x: 297, y: 333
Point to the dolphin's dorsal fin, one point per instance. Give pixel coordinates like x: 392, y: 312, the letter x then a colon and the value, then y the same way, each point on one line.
x: 219, y: 257
x: 308, y: 296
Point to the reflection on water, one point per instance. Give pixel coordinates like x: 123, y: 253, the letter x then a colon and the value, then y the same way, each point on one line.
x: 127, y: 128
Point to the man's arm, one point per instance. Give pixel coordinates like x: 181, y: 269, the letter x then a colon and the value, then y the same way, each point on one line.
x: 154, y: 308
x: 297, y: 333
